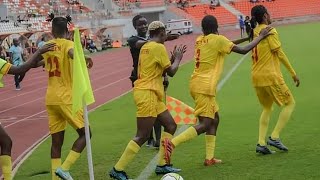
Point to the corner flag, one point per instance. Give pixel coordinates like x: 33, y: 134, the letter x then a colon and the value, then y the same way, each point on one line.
x: 181, y: 113
x: 81, y: 89
x: 82, y: 94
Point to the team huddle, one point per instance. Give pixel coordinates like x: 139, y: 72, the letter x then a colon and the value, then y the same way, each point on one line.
x: 149, y: 79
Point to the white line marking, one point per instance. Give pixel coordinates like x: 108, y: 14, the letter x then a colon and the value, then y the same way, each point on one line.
x: 148, y: 170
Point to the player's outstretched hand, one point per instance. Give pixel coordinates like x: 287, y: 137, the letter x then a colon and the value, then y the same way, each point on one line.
x: 89, y: 62
x: 179, y: 51
x: 47, y: 47
x: 296, y: 80
x: 266, y: 31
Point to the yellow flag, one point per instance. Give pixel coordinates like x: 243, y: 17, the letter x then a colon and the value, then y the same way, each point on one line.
x: 82, y: 93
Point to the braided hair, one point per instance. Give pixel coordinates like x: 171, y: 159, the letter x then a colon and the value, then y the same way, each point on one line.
x: 59, y: 24
x: 257, y: 14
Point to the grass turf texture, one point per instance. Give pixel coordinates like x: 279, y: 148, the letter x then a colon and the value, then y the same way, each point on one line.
x: 237, y: 134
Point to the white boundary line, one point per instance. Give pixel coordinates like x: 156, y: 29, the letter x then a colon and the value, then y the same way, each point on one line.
x: 148, y: 170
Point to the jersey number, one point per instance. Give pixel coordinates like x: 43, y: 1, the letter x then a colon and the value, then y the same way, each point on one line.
x: 255, y: 55
x: 51, y: 63
x: 198, y: 58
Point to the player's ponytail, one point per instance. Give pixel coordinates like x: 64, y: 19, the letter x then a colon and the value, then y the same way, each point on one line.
x: 69, y: 19
x: 253, y: 24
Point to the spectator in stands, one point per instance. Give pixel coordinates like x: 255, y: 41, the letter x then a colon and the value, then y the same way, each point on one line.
x: 247, y: 25
x: 92, y: 46
x: 16, y: 56
x: 138, y: 3
x: 41, y: 43
x: 242, y: 25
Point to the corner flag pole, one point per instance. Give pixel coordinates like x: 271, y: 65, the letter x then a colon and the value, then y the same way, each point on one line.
x: 88, y: 141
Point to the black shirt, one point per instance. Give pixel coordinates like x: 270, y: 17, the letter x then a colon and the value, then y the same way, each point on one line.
x: 135, y: 56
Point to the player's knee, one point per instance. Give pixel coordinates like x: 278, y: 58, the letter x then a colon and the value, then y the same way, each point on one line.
x: 140, y: 140
x: 171, y: 128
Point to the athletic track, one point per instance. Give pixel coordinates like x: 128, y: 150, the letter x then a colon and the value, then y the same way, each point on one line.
x: 23, y: 113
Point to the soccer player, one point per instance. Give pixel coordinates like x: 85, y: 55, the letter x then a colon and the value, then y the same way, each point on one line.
x: 58, y: 63
x: 148, y: 95
x: 5, y: 140
x: 268, y: 81
x: 210, y: 51
x: 140, y: 23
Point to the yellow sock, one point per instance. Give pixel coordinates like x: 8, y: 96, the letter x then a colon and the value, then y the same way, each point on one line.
x: 129, y: 153
x: 55, y: 163
x: 6, y: 165
x: 210, y: 146
x: 188, y: 134
x: 263, y: 126
x: 282, y: 121
x: 161, y: 150
x: 71, y: 159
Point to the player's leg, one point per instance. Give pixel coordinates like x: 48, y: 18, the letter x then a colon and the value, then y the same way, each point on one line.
x: 170, y: 128
x: 145, y: 101
x: 17, y: 82
x: 56, y: 146
x: 205, y: 110
x: 5, y: 157
x: 144, y: 126
x: 150, y: 141
x: 21, y: 77
x: 266, y: 100
x: 57, y: 125
x: 284, y: 98
x: 211, y: 141
x: 79, y: 144
x: 157, y: 131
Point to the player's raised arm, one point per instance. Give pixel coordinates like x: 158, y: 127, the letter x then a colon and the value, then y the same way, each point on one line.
x: 177, y: 54
x: 244, y: 50
x: 33, y: 62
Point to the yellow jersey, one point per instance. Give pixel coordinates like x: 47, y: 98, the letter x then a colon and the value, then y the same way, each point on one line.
x: 265, y: 62
x: 210, y: 52
x: 4, y: 68
x: 59, y: 67
x: 153, y: 60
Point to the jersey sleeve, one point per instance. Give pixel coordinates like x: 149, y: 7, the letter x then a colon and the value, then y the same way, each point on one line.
x: 162, y: 57
x: 225, y: 45
x: 4, y: 67
x: 274, y: 41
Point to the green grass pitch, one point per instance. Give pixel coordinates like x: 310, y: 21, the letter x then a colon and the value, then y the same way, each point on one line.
x: 238, y: 130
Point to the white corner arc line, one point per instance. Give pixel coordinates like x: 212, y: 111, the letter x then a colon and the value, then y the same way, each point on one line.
x: 148, y: 170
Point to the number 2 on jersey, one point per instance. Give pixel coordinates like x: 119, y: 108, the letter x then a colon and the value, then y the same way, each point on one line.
x: 198, y: 58
x: 56, y: 72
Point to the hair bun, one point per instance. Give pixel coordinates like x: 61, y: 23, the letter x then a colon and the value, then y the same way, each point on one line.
x: 50, y: 17
x: 69, y: 19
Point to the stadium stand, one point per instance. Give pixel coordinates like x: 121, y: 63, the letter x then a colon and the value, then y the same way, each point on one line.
x: 282, y: 8
x: 139, y: 3
x: 42, y: 6
x: 197, y: 12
